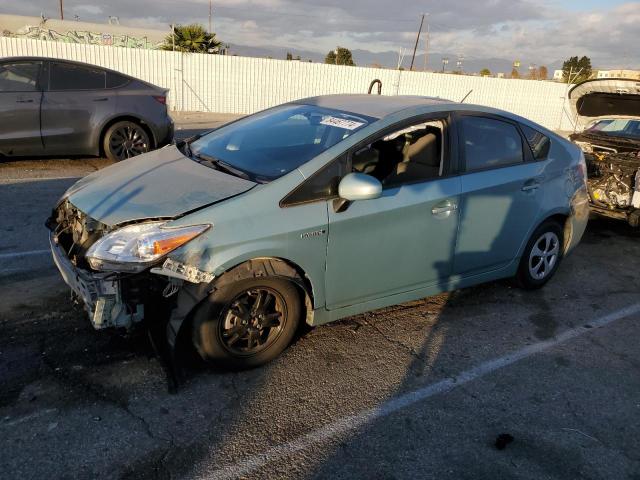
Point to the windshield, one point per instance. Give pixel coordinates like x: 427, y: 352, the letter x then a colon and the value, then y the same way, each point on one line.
x: 620, y: 127
x: 270, y: 144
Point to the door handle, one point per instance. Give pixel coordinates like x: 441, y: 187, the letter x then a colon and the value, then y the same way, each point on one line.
x: 530, y: 185
x: 444, y: 209
x: 104, y: 99
x: 30, y: 100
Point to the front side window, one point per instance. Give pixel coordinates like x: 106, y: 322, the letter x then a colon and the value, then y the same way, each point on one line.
x: 270, y: 144
x: 412, y: 154
x: 19, y: 77
x: 490, y: 143
x: 67, y: 76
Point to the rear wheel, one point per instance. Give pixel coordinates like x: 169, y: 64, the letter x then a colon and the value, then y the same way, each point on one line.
x: 541, y: 257
x: 124, y: 140
x: 247, y: 323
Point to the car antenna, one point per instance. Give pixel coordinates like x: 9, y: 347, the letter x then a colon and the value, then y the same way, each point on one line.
x: 465, y: 97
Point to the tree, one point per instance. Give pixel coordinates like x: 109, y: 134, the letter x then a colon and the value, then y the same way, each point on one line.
x: 485, y: 72
x: 289, y: 56
x: 579, y: 69
x: 543, y: 73
x: 340, y: 56
x: 191, y: 38
x: 515, y: 73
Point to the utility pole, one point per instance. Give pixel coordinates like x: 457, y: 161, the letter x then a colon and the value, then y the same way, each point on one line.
x: 210, y: 10
x: 61, y: 11
x: 417, y: 40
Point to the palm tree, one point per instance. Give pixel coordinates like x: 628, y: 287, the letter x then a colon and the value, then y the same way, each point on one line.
x: 191, y: 38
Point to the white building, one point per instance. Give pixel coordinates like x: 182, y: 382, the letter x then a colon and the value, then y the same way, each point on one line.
x: 633, y: 74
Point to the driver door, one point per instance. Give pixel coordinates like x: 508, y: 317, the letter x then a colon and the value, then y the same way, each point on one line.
x: 401, y: 241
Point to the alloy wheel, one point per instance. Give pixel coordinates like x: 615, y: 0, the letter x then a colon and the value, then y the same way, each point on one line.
x: 128, y: 141
x: 544, y: 255
x: 253, y: 321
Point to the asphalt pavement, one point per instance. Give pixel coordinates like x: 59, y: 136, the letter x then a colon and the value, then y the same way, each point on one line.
x: 419, y: 390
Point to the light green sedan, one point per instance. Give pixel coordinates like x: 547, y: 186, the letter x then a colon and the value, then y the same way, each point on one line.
x: 313, y: 211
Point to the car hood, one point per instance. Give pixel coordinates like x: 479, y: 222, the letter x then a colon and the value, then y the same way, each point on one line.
x: 606, y: 98
x: 160, y: 184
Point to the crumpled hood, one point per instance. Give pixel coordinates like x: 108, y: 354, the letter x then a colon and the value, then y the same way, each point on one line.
x: 160, y: 184
x: 604, y: 98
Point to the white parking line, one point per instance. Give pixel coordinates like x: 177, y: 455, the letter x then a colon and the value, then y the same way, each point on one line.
x: 352, y: 422
x: 30, y: 253
x: 35, y: 179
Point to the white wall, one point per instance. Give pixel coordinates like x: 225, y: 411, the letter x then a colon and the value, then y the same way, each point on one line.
x: 241, y: 85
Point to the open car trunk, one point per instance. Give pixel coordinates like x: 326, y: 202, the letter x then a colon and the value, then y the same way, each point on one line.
x: 613, y: 160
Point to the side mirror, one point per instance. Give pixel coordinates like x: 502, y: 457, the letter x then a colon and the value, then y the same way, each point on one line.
x: 359, y: 186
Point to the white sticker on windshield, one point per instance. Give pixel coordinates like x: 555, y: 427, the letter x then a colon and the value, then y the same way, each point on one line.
x: 341, y: 123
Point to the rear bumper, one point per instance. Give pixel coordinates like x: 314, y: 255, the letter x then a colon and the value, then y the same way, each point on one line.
x: 164, y: 133
x: 577, y: 222
x: 100, y: 294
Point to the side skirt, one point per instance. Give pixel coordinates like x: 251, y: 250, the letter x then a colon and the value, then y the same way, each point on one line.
x: 322, y: 316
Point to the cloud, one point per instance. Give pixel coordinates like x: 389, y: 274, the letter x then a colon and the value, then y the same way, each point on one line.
x: 90, y: 9
x: 539, y: 31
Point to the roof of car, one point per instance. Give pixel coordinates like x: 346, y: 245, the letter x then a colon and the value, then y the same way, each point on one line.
x: 377, y: 106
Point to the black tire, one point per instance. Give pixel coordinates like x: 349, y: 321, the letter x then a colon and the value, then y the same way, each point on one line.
x: 541, y: 256
x: 223, y: 329
x: 124, y: 140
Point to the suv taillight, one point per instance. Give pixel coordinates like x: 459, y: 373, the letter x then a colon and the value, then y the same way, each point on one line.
x: 160, y: 99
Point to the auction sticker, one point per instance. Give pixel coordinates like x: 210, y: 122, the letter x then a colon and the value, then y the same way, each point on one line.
x: 341, y: 123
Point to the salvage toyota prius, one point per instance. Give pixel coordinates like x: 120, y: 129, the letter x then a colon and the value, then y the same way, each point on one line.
x: 313, y: 211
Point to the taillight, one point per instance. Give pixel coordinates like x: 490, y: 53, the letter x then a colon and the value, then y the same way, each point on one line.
x: 581, y: 168
x: 160, y: 99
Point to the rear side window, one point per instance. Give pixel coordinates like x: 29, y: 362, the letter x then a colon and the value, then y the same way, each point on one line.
x: 490, y: 143
x: 66, y: 76
x: 538, y: 142
x: 20, y: 77
x: 115, y: 80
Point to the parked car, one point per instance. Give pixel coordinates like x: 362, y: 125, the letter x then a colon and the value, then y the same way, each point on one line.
x: 316, y: 210
x: 610, y: 111
x: 58, y: 107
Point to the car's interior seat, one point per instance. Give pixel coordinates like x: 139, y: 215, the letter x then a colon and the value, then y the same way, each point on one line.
x: 421, y: 159
x: 366, y: 160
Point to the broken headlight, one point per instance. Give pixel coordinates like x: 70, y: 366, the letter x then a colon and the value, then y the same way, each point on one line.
x: 135, y: 247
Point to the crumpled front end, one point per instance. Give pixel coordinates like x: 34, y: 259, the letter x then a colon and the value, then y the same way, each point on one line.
x: 111, y: 299
x: 613, y: 167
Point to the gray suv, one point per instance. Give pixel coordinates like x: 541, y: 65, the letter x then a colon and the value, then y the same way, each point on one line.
x: 58, y: 107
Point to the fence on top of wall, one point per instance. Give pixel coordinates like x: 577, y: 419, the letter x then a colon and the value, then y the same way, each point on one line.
x: 240, y: 85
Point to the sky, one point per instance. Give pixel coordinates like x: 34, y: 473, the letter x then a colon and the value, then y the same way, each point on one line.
x: 541, y: 31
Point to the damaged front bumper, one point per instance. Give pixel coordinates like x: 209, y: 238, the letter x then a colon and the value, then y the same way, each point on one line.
x: 100, y: 293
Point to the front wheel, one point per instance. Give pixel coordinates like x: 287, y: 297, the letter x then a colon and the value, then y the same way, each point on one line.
x: 541, y: 257
x: 247, y: 323
x: 125, y: 140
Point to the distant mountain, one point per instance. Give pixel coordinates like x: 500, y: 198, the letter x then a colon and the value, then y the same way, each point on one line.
x: 389, y: 59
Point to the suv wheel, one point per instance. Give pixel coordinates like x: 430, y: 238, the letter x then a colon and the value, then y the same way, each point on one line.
x: 541, y: 257
x: 125, y: 140
x: 247, y: 323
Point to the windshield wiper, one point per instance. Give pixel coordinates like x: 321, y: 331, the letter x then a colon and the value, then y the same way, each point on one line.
x: 218, y: 164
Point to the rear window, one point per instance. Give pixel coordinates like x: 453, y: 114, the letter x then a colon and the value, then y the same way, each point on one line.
x: 490, y: 143
x: 538, y: 142
x: 66, y: 76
